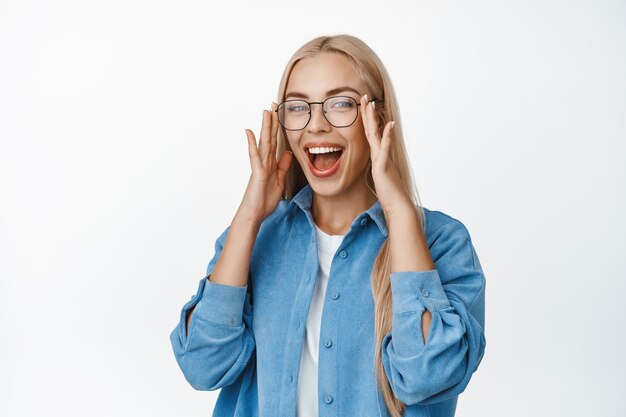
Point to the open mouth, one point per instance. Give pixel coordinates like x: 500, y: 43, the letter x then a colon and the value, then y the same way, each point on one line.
x: 322, y: 159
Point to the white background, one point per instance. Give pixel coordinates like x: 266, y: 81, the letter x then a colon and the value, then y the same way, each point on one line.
x: 123, y: 157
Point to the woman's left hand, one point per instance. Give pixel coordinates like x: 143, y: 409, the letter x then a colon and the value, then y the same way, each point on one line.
x: 391, y: 194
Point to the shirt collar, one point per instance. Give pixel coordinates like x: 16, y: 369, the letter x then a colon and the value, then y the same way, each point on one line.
x: 304, y: 199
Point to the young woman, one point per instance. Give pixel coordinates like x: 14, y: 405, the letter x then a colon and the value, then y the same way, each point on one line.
x: 333, y: 292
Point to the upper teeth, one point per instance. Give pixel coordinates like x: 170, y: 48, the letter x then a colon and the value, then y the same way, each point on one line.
x: 323, y: 150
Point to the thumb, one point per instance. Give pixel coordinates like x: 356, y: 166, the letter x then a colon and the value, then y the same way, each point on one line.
x: 283, y: 165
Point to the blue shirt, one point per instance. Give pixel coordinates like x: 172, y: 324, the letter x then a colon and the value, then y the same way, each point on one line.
x: 247, y: 340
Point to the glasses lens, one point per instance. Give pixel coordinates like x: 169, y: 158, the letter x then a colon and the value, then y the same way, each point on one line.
x: 341, y: 111
x: 294, y: 114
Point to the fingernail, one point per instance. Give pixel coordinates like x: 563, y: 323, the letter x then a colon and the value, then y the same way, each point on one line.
x: 366, y: 97
x: 393, y: 124
x: 374, y: 105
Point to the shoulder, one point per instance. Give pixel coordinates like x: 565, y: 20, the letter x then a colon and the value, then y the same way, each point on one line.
x: 454, y: 255
x: 439, y: 223
x: 449, y: 239
x: 282, y: 210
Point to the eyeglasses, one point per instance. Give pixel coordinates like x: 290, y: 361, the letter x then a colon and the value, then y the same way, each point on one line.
x: 339, y: 111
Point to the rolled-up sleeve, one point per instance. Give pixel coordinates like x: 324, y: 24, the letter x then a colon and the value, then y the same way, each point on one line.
x: 219, y: 343
x: 454, y: 293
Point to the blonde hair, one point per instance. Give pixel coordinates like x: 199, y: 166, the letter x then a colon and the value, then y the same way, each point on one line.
x: 373, y: 73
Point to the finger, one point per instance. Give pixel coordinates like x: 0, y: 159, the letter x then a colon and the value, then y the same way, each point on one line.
x: 264, y: 143
x: 366, y: 126
x: 386, y: 140
x: 372, y: 121
x: 283, y: 166
x: 253, y: 151
x: 274, y: 138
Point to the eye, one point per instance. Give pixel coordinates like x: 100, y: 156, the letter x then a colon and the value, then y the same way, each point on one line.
x: 298, y: 107
x: 341, y: 103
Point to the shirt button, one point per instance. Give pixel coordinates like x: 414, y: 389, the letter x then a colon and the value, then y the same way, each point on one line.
x: 328, y: 343
x: 308, y: 277
x: 291, y: 378
x: 328, y: 399
x: 343, y: 254
x: 335, y: 295
x: 363, y: 222
x: 425, y: 292
x: 298, y: 324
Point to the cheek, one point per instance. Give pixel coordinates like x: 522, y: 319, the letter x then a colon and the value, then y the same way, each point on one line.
x: 359, y: 141
x: 294, y: 139
x: 359, y: 136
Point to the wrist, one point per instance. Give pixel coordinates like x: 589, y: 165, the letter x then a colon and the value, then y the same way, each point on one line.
x: 400, y: 213
x: 245, y: 223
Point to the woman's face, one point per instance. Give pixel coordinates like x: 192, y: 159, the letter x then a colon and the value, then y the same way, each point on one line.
x: 315, y: 79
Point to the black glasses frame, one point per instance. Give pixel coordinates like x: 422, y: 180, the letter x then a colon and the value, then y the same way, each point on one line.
x: 281, y: 105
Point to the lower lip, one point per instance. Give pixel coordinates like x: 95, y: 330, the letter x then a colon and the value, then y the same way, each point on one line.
x: 327, y: 173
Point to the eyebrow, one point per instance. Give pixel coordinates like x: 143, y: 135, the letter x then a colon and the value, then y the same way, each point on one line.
x: 328, y: 93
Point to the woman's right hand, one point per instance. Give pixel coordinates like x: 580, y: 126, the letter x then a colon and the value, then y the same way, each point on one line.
x: 267, y: 180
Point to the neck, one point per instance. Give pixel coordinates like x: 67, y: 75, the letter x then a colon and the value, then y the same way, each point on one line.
x: 335, y: 213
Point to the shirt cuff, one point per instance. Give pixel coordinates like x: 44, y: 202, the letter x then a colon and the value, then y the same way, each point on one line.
x: 221, y: 303
x: 416, y: 290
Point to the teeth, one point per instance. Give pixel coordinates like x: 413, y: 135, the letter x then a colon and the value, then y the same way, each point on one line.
x: 324, y: 150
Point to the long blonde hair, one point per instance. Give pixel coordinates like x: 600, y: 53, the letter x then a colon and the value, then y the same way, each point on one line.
x: 373, y: 73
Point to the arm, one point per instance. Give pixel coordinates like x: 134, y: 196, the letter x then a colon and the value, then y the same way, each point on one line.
x: 213, y: 341
x: 437, y: 339
x: 219, y: 343
x: 409, y: 252
x: 232, y: 266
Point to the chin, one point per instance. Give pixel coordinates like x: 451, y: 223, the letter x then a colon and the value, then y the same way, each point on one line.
x: 325, y: 187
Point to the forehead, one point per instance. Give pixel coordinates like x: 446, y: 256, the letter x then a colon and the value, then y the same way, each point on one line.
x: 315, y: 76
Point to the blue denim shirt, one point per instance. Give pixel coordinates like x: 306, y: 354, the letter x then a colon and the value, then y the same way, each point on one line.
x: 247, y: 340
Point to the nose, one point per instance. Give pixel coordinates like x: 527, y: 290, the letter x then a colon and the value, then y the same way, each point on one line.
x: 318, y: 122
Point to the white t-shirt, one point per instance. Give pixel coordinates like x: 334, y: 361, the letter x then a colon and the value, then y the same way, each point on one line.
x: 307, y: 399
